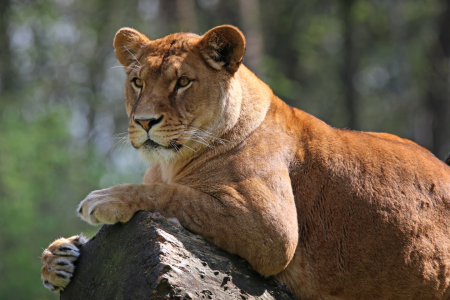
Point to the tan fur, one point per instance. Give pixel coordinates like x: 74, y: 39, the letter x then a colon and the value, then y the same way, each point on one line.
x: 335, y: 214
x: 58, y: 262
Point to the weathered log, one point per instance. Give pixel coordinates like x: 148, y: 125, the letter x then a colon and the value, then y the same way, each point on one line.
x: 152, y: 258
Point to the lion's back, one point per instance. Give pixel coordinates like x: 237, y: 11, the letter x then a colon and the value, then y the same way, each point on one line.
x: 373, y: 211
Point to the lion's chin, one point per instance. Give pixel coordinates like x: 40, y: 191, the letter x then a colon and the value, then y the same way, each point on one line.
x: 152, y: 151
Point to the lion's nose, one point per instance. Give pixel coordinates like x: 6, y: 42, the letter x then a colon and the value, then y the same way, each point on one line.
x: 147, y: 124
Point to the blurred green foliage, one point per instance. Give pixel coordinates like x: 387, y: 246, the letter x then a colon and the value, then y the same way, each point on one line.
x: 40, y: 187
x: 383, y: 64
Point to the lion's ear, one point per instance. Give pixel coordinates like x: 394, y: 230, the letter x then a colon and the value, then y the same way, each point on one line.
x: 223, y: 47
x: 127, y: 43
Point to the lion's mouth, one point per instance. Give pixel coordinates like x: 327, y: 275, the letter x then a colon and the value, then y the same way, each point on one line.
x: 151, y: 145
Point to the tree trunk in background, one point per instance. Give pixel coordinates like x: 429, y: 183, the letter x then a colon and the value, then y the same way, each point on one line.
x: 7, y: 78
x: 187, y: 19
x: 251, y: 26
x: 438, y: 93
x: 349, y: 66
x: 151, y: 258
x: 168, y: 16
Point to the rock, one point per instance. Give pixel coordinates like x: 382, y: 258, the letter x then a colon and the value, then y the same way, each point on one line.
x: 152, y: 258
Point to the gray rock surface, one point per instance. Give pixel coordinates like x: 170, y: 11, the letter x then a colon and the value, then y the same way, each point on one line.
x: 151, y: 258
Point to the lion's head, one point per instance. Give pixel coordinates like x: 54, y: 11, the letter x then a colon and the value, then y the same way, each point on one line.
x: 178, y: 89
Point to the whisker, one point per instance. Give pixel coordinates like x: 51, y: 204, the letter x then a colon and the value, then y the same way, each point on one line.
x: 122, y: 139
x: 188, y: 147
x: 215, y: 138
x: 201, y: 142
x: 194, y: 137
x: 201, y: 138
x: 176, y: 148
x: 132, y: 55
x: 121, y: 134
x: 120, y: 142
x: 205, y: 133
x: 132, y: 68
x: 206, y: 138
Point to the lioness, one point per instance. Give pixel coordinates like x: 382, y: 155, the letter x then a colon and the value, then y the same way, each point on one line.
x: 334, y: 214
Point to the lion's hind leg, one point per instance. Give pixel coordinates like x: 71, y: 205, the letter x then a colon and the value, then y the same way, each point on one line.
x: 58, y: 262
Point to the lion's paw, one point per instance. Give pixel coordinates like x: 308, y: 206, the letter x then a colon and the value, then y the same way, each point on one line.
x: 107, y: 206
x: 58, y: 260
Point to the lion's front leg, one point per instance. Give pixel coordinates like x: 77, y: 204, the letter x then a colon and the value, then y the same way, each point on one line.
x: 261, y: 227
x: 116, y: 204
x: 58, y: 262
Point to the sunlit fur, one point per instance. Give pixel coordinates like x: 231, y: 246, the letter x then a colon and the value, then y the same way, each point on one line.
x: 334, y: 214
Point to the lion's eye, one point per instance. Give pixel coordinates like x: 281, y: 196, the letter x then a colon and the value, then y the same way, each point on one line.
x: 138, y: 82
x: 183, y: 81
